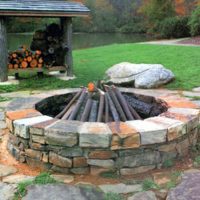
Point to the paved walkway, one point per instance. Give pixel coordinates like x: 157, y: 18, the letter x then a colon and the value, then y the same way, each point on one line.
x: 178, y: 42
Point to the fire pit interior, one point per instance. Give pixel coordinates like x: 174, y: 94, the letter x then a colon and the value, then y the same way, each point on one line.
x: 107, y: 104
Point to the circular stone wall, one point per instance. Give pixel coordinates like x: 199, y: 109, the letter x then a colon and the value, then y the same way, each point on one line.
x: 88, y: 147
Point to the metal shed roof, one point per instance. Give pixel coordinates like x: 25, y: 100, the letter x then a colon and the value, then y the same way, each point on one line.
x: 37, y: 8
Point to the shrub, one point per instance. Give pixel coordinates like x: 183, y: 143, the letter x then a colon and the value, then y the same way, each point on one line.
x: 194, y: 22
x: 168, y: 163
x: 149, y: 184
x: 113, y: 196
x: 197, y: 161
x: 174, y: 27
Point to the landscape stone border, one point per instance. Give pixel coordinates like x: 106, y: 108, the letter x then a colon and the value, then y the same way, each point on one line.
x: 90, y: 147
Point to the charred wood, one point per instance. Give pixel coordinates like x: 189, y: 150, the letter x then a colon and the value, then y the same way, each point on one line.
x: 78, y: 105
x: 94, y: 110
x: 123, y: 103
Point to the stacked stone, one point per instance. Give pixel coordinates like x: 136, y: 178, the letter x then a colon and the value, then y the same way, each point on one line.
x: 80, y: 148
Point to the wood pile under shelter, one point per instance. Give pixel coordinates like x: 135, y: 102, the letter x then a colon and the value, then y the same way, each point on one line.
x: 64, y: 10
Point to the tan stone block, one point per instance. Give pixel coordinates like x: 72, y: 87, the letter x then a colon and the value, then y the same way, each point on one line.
x: 193, y: 137
x: 94, y: 135
x: 98, y: 154
x: 183, y: 147
x: 171, y: 147
x: 191, y: 121
x: 22, y: 114
x: 59, y: 160
x: 124, y: 136
x: 33, y: 154
x: 80, y: 170
x: 38, y: 139
x: 80, y: 162
x: 45, y: 157
x: 162, y: 178
x: 185, y: 111
x: 136, y: 170
x: 150, y: 132
x: 175, y: 128
x: 9, y: 124
x: 96, y: 171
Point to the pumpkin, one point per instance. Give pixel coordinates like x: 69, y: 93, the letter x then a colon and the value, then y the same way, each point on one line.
x: 91, y: 87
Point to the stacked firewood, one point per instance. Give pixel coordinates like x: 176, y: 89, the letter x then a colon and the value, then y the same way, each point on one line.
x: 49, y: 42
x: 24, y: 58
x: 108, y: 104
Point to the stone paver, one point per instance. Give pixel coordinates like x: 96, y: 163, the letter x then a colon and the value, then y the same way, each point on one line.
x: 23, y: 103
x: 2, y: 115
x: 197, y: 103
x: 61, y: 192
x: 14, y: 179
x: 188, y: 189
x: 191, y: 94
x: 149, y: 195
x: 162, y: 178
x: 120, y: 188
x: 3, y: 125
x: 63, y: 178
x: 7, y: 191
x: 7, y: 170
x: 197, y: 89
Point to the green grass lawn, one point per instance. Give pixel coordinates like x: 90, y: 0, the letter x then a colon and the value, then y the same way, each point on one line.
x: 91, y: 64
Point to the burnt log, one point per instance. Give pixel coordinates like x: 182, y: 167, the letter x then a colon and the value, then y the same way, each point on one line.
x: 123, y: 103
x: 82, y: 108
x: 101, y: 107
x: 106, y: 109
x: 134, y: 113
x: 112, y: 108
x: 94, y: 110
x: 87, y: 110
x: 69, y: 112
x: 116, y: 103
x: 78, y: 105
x: 143, y: 109
x: 61, y: 114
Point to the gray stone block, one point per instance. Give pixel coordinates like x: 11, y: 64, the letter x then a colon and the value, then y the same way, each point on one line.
x: 63, y: 133
x: 144, y: 159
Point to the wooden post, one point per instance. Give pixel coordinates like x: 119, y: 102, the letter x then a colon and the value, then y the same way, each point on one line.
x: 66, y: 24
x: 3, y: 51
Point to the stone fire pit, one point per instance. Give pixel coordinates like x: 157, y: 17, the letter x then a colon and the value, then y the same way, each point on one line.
x: 76, y: 147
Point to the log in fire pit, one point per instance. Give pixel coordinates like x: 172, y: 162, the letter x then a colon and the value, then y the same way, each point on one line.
x: 106, y: 104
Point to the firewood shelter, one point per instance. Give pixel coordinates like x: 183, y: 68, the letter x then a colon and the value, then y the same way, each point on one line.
x: 64, y: 10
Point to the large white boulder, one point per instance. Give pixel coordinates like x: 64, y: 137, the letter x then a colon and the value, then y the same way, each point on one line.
x: 142, y: 75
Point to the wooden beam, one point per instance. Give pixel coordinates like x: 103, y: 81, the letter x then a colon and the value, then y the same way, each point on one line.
x: 3, y: 51
x: 66, y: 24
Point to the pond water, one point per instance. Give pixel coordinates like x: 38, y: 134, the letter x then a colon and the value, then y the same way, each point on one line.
x: 80, y: 40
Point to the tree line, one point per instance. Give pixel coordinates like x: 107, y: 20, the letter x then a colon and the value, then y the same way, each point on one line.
x: 127, y: 16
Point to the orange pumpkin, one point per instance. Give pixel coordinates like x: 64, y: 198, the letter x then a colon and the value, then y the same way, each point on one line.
x: 91, y: 87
